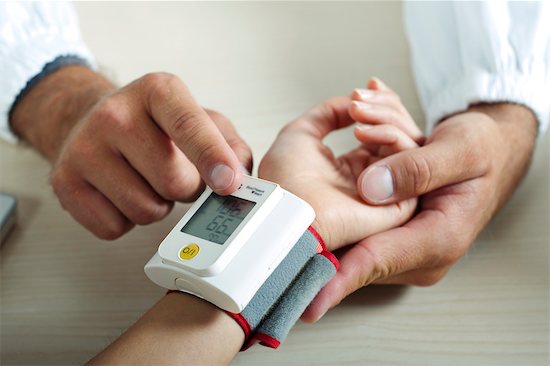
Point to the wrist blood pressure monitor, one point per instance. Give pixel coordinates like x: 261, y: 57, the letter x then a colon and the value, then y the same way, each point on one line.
x: 225, y: 247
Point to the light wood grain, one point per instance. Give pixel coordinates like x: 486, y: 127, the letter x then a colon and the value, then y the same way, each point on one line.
x: 65, y: 295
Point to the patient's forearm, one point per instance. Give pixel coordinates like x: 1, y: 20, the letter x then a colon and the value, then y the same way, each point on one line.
x: 179, y: 330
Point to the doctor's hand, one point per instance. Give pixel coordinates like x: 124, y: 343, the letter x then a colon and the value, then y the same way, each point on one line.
x: 467, y: 169
x: 121, y: 157
x: 300, y: 162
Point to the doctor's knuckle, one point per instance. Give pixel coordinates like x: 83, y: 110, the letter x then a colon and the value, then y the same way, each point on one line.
x: 159, y: 87
x: 427, y: 278
x: 418, y: 172
x: 187, y: 125
x: 82, y: 150
x: 174, y: 185
x: 147, y: 213
x: 381, y: 267
x: 378, y: 271
x: 108, y: 114
x: 156, y: 81
x: 111, y: 230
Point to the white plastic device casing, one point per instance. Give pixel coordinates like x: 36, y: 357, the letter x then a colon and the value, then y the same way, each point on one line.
x: 213, y: 257
x: 267, y: 239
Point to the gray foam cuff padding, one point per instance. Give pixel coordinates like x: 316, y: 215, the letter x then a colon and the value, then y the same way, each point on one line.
x: 284, y: 296
x: 317, y: 272
x: 280, y: 280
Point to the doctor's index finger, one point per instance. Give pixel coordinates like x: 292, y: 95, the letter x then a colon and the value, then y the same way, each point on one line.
x: 173, y: 108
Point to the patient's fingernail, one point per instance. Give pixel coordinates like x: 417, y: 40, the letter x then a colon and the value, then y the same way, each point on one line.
x: 364, y: 93
x: 361, y: 105
x: 363, y: 128
x: 377, y: 184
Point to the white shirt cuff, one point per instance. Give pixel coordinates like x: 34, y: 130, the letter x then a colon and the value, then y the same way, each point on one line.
x: 31, y: 36
x: 530, y: 91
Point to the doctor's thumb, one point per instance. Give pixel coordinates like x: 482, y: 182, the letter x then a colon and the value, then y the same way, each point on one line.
x: 413, y: 172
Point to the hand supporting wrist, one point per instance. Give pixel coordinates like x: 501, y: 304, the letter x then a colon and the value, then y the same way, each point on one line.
x: 47, y: 112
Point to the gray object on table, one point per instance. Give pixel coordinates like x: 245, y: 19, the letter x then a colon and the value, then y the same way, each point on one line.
x: 8, y: 204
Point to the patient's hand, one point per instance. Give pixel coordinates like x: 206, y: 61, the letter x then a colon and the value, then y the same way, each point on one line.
x: 302, y: 164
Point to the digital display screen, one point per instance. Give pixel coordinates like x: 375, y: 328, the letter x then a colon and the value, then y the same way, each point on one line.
x: 218, y: 217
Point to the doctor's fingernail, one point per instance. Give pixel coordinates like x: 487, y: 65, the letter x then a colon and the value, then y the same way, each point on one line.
x: 377, y: 184
x: 364, y: 93
x: 221, y: 176
x: 322, y: 315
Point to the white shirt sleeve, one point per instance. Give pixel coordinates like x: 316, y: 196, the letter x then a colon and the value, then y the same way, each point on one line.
x: 33, y: 34
x: 468, y: 52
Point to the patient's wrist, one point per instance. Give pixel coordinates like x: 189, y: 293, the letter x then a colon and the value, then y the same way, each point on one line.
x: 321, y: 230
x: 180, y: 329
x: 179, y: 309
x: 185, y: 320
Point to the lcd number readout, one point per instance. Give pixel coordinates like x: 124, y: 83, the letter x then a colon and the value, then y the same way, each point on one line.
x: 218, y: 217
x: 223, y: 225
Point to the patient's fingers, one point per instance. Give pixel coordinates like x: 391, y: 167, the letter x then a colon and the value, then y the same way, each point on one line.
x: 388, y: 138
x: 388, y: 99
x: 379, y: 114
x: 379, y: 104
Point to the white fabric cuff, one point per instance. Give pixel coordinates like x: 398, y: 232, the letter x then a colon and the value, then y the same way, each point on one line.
x: 532, y: 92
x: 31, y: 64
x: 24, y: 54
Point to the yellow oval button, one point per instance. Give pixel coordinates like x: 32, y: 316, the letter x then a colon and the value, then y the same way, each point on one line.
x: 189, y: 251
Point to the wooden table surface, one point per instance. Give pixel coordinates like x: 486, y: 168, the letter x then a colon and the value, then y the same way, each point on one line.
x: 65, y: 294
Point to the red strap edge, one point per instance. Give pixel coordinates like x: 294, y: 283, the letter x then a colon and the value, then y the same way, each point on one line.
x: 267, y: 340
x: 326, y: 253
x: 247, y: 344
x: 317, y: 236
x: 331, y: 257
x: 243, y: 323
